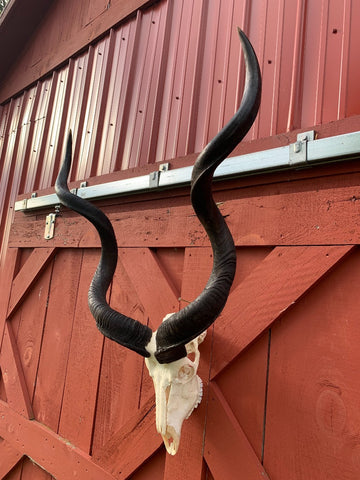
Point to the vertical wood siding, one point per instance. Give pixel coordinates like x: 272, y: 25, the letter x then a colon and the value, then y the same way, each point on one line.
x: 75, y: 404
x: 161, y: 84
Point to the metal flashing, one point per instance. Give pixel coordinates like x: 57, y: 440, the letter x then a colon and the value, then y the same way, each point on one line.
x: 326, y: 150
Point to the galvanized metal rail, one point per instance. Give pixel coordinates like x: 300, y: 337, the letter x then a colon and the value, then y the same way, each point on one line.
x: 304, y: 152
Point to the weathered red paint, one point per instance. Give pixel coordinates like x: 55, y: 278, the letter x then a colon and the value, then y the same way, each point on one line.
x: 242, y: 364
x: 160, y: 84
x: 280, y: 383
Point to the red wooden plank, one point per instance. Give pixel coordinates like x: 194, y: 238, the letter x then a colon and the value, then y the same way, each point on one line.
x: 119, y: 392
x: 309, y: 212
x: 243, y: 384
x: 2, y: 388
x: 9, y: 456
x: 28, y: 275
x: 28, y: 326
x: 83, y: 367
x: 314, y: 385
x: 13, y: 376
x: 53, y: 453
x: 6, y: 275
x: 154, y: 290
x: 272, y: 288
x: 152, y: 469
x: 132, y: 445
x: 197, y: 269
x: 172, y: 262
x: 17, y: 471
x: 31, y: 471
x: 121, y: 369
x: 188, y: 462
x: 227, y: 450
x: 55, y: 346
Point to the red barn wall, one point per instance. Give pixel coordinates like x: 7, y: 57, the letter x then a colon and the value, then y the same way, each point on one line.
x: 146, y: 82
x: 162, y: 82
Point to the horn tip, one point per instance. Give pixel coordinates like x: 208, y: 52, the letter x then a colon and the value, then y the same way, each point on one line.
x: 241, y: 32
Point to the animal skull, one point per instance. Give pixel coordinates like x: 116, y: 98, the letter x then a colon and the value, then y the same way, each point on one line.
x: 178, y: 390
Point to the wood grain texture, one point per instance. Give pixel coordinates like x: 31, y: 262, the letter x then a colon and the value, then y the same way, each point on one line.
x: 28, y: 275
x: 227, y: 449
x: 120, y: 387
x: 31, y: 471
x: 188, y: 462
x: 7, y: 273
x: 243, y: 385
x: 153, y: 468
x: 28, y: 323
x: 83, y: 365
x: 120, y: 383
x: 307, y: 295
x: 314, y: 385
x: 284, y: 276
x: 154, y: 289
x: 297, y: 216
x: 53, y: 453
x: 132, y: 445
x: 51, y: 374
x: 17, y: 394
x: 9, y: 456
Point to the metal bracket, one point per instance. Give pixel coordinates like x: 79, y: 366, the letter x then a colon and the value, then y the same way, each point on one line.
x: 154, y: 177
x: 298, y: 154
x: 164, y: 167
x: 50, y: 226
x: 23, y: 204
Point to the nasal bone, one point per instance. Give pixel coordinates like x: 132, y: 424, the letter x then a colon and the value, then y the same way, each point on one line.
x: 161, y: 397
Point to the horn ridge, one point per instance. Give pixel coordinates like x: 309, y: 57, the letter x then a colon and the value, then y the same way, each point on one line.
x: 191, y: 321
x: 118, y: 327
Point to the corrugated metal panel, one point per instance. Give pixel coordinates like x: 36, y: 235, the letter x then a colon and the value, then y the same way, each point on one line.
x: 164, y: 82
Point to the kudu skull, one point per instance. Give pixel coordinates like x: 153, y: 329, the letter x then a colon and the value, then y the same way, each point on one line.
x: 178, y: 388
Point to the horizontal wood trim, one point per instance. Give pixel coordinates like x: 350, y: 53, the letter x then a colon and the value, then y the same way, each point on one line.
x: 305, y: 217
x: 51, y: 452
x: 284, y: 276
x: 227, y: 450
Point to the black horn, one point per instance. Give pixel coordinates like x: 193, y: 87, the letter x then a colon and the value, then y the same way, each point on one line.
x: 183, y: 326
x: 191, y: 321
x: 118, y: 327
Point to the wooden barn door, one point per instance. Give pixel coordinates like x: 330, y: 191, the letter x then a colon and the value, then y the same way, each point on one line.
x: 279, y: 367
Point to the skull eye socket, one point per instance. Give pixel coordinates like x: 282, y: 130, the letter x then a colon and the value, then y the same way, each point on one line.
x: 191, y: 356
x: 186, y: 372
